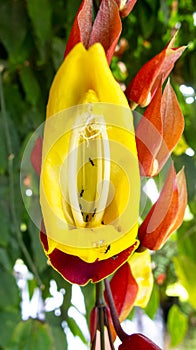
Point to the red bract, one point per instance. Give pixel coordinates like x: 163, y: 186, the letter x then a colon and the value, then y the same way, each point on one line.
x: 124, y: 290
x: 93, y: 322
x: 159, y: 131
x: 106, y: 28
x: 82, y: 26
x: 167, y: 213
x: 138, y: 342
x: 142, y: 88
x: 125, y: 6
x: 75, y: 270
x: 36, y: 155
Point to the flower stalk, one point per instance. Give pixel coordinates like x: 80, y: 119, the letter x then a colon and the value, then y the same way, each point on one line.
x: 121, y: 334
x: 100, y: 303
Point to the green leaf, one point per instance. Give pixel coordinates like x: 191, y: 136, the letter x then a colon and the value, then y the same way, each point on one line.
x: 59, y: 338
x: 5, y: 224
x: 38, y: 253
x: 5, y: 216
x: 75, y: 329
x: 147, y: 21
x: 58, y: 49
x: 31, y: 335
x: 89, y: 298
x: 185, y: 269
x: 71, y: 10
x: 30, y: 85
x: 4, y: 259
x: 13, y: 27
x: 177, y: 325
x: 9, y: 319
x: 3, y: 153
x: 190, y: 171
x: 9, y: 293
x: 40, y: 13
x: 153, y: 303
x: 15, y: 104
x: 187, y: 240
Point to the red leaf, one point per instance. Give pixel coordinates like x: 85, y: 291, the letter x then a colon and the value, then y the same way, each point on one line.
x: 124, y: 289
x: 82, y: 26
x: 149, y: 134
x: 143, y: 86
x: 127, y: 8
x: 159, y: 131
x: 138, y: 341
x: 75, y: 270
x: 182, y: 199
x: 173, y: 124
x: 93, y: 322
x: 105, y: 30
x: 36, y: 155
x: 167, y: 213
x: 107, y: 27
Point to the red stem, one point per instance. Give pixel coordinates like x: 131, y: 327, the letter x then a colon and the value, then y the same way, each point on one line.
x: 121, y: 334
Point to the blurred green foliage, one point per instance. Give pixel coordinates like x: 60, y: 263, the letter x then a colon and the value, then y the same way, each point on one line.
x: 33, y: 35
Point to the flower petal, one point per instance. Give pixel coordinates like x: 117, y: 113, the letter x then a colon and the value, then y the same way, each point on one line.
x: 138, y: 341
x: 92, y: 242
x: 82, y: 26
x: 93, y: 322
x: 173, y: 124
x: 140, y: 264
x: 36, y: 155
x: 126, y: 6
x: 75, y: 270
x: 77, y: 75
x: 149, y: 136
x: 167, y: 213
x: 105, y: 30
x: 107, y: 27
x: 159, y: 131
x: 124, y: 289
x: 143, y: 86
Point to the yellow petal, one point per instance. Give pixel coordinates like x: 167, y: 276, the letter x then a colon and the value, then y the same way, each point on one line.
x: 81, y: 71
x: 141, y: 269
x: 89, y: 186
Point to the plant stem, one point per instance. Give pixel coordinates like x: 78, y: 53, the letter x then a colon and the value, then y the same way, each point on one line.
x: 121, y: 334
x: 100, y: 303
x: 109, y: 332
x: 11, y: 187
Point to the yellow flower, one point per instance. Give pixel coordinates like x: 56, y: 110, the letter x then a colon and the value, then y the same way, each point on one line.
x: 140, y: 264
x: 90, y: 184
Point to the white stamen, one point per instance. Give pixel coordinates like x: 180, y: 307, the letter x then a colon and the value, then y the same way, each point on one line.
x: 105, y: 181
x: 94, y: 128
x: 72, y: 179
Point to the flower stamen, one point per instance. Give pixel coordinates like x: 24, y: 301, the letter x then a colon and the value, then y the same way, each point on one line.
x: 89, y: 171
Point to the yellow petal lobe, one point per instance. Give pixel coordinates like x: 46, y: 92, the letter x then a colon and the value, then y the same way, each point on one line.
x: 89, y: 184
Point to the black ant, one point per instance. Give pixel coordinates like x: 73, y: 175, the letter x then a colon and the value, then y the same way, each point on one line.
x: 94, y: 212
x: 91, y: 161
x: 81, y: 193
x: 107, y: 249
